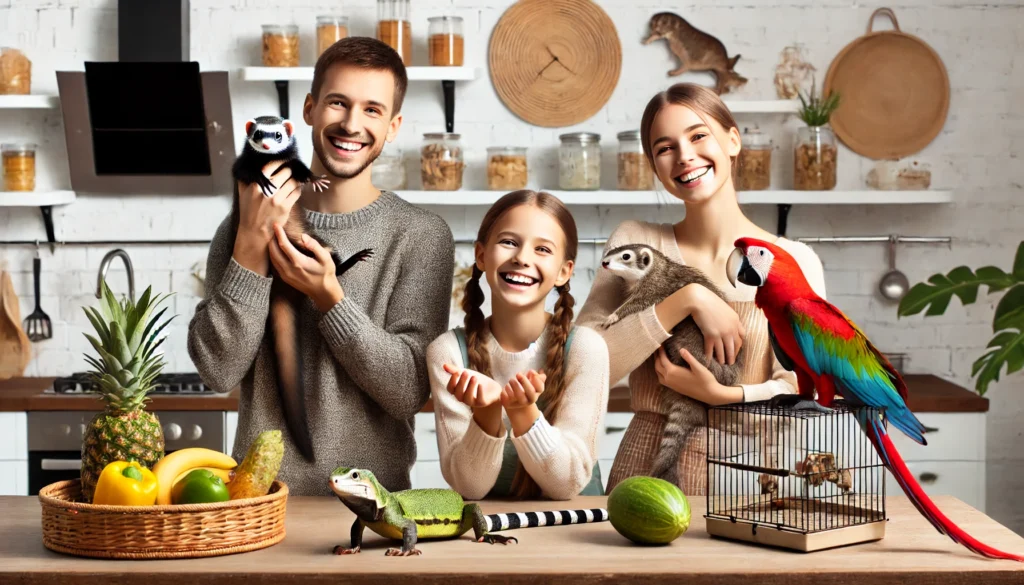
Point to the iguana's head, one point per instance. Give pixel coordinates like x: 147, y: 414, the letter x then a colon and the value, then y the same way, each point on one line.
x: 359, y: 490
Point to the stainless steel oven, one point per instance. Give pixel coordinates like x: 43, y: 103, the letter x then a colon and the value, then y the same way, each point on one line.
x: 55, y: 440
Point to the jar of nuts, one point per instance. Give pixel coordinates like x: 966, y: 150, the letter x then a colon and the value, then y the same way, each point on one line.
x: 19, y: 164
x: 634, y: 172
x: 388, y: 171
x: 329, y: 30
x: 441, y: 162
x: 394, y: 28
x: 753, y: 169
x: 814, y: 162
x: 579, y: 161
x: 506, y: 167
x: 445, y: 41
x: 280, y: 45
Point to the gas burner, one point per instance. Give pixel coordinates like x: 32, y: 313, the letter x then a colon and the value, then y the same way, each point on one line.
x: 189, y: 383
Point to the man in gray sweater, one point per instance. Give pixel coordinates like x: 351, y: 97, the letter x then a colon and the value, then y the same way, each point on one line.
x: 362, y: 335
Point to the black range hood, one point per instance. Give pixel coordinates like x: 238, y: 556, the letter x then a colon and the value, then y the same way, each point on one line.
x: 150, y: 122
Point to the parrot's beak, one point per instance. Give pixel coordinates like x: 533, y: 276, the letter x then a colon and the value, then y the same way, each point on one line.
x: 739, y: 269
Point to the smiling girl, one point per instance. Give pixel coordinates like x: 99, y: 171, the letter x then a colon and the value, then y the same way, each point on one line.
x: 519, y: 396
x: 691, y: 141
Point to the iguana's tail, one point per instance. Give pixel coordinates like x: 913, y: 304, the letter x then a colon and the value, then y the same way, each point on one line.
x: 496, y: 522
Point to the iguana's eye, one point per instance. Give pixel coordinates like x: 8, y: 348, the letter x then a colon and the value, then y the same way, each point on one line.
x: 355, y: 475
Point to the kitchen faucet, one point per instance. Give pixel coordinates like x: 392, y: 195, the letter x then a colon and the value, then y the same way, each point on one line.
x: 105, y: 263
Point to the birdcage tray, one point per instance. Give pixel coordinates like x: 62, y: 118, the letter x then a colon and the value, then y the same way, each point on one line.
x: 800, y: 524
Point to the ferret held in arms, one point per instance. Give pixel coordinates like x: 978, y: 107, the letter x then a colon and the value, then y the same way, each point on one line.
x: 649, y: 278
x: 267, y: 139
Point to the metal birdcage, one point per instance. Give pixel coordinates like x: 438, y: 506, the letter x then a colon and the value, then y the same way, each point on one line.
x: 797, y: 479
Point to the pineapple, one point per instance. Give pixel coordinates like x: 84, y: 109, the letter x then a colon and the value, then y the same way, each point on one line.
x: 124, y: 373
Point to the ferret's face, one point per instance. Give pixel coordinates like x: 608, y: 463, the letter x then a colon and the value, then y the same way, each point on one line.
x: 691, y: 154
x: 269, y: 138
x: 524, y: 257
x: 628, y: 263
x: 352, y: 119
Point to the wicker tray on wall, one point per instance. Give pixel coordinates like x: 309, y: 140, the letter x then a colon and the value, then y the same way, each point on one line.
x: 555, y: 63
x: 73, y: 527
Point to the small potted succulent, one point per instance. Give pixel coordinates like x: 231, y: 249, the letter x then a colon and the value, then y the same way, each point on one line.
x: 1007, y: 344
x: 815, y: 154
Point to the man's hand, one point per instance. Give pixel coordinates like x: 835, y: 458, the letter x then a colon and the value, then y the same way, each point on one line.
x: 314, y: 277
x: 257, y: 215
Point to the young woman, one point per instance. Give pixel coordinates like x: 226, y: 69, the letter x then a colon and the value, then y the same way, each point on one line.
x: 519, y: 397
x: 691, y: 141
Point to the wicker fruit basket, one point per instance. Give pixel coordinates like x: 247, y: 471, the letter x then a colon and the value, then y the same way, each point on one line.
x: 159, y: 532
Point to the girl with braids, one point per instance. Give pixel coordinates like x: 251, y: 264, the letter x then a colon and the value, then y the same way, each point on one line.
x: 519, y: 396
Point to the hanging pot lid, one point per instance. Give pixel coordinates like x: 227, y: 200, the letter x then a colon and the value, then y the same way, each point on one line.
x: 894, y: 93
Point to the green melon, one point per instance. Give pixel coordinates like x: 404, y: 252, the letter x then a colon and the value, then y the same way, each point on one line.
x: 648, y: 510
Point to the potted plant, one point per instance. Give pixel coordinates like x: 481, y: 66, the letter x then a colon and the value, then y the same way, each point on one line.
x: 1007, y: 344
x: 815, y: 153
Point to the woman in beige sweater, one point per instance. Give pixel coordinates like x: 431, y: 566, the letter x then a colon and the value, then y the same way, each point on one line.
x: 691, y: 140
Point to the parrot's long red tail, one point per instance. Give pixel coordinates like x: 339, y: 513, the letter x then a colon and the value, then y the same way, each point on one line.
x: 883, y: 444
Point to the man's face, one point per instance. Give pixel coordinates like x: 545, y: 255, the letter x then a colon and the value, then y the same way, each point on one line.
x: 352, y: 119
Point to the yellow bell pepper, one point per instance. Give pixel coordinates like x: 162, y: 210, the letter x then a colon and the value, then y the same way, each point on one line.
x: 124, y: 483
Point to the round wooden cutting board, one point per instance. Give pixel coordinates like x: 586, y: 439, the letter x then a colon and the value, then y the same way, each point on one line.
x: 893, y: 93
x: 555, y: 62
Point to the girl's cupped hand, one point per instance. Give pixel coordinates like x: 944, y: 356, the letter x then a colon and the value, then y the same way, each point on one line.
x: 472, y: 388
x: 523, y: 390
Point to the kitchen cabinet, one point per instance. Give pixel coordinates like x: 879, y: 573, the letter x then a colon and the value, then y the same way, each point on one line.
x: 13, y: 454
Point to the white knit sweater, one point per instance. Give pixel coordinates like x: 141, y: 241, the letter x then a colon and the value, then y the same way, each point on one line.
x: 560, y: 457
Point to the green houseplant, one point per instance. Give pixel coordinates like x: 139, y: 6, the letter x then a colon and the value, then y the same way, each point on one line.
x: 816, y: 152
x: 1007, y: 345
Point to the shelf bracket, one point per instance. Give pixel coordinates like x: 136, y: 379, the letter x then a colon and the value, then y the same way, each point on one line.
x: 783, y: 218
x: 448, y: 87
x: 48, y: 221
x: 282, y: 96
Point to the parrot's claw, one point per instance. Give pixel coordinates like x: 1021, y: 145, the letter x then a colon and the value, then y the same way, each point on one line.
x: 796, y: 402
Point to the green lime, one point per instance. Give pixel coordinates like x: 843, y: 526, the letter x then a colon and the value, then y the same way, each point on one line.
x: 200, y: 486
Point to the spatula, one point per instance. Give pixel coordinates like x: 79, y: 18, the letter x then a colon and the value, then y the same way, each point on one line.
x: 37, y: 325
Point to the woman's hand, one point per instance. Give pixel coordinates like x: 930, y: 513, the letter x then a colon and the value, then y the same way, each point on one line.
x: 472, y: 388
x: 718, y: 322
x: 523, y: 390
x: 697, y: 382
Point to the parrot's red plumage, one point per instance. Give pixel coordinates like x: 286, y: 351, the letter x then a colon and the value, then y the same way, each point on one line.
x: 831, y: 355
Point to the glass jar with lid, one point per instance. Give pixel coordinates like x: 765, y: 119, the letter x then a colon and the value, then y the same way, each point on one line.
x: 753, y: 170
x: 19, y: 164
x: 388, y: 171
x: 329, y: 30
x: 506, y: 167
x: 814, y: 159
x: 579, y: 161
x: 441, y: 162
x: 445, y: 41
x: 280, y: 45
x: 634, y: 174
x: 15, y: 72
x: 394, y: 28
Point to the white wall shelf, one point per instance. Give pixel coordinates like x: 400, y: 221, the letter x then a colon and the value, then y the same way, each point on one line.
x: 763, y: 106
x: 35, y: 198
x: 281, y: 76
x: 655, y: 198
x: 29, y: 102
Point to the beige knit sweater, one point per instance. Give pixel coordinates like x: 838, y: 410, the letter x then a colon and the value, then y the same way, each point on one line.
x: 632, y: 341
x: 559, y: 456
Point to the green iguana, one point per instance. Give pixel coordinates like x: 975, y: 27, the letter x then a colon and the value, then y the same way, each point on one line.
x: 431, y: 513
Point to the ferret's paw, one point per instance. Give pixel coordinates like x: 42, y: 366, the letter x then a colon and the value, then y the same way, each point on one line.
x: 610, y: 320
x: 265, y: 185
x: 320, y: 183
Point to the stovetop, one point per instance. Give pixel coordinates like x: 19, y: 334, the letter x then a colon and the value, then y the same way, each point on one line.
x: 187, y: 383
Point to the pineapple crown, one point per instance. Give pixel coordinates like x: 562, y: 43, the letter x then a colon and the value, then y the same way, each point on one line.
x: 127, y: 342
x: 814, y: 110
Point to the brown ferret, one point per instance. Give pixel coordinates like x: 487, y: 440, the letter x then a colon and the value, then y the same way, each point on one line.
x: 650, y: 277
x: 696, y: 50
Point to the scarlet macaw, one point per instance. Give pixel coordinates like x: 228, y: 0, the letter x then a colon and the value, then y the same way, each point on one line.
x: 830, y: 354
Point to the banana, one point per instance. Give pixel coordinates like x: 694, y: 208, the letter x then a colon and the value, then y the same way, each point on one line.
x: 172, y: 466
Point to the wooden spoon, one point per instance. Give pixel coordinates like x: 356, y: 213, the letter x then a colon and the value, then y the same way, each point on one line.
x: 15, y: 347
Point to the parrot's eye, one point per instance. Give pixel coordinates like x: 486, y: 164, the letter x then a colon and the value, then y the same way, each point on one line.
x: 761, y: 252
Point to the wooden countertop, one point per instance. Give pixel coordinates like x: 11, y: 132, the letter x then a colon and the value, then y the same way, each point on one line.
x: 911, y: 552
x: 928, y: 393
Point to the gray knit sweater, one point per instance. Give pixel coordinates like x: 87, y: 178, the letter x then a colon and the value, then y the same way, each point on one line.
x: 365, y: 371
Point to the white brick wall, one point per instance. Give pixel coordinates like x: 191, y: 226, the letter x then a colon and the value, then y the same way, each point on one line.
x: 977, y: 155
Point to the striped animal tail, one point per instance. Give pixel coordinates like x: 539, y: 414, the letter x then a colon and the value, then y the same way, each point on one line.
x: 497, y: 522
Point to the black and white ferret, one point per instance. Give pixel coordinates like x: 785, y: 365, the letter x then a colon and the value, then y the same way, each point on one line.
x: 267, y: 139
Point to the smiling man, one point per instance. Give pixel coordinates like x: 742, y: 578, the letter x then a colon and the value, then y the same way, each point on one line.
x: 361, y: 336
